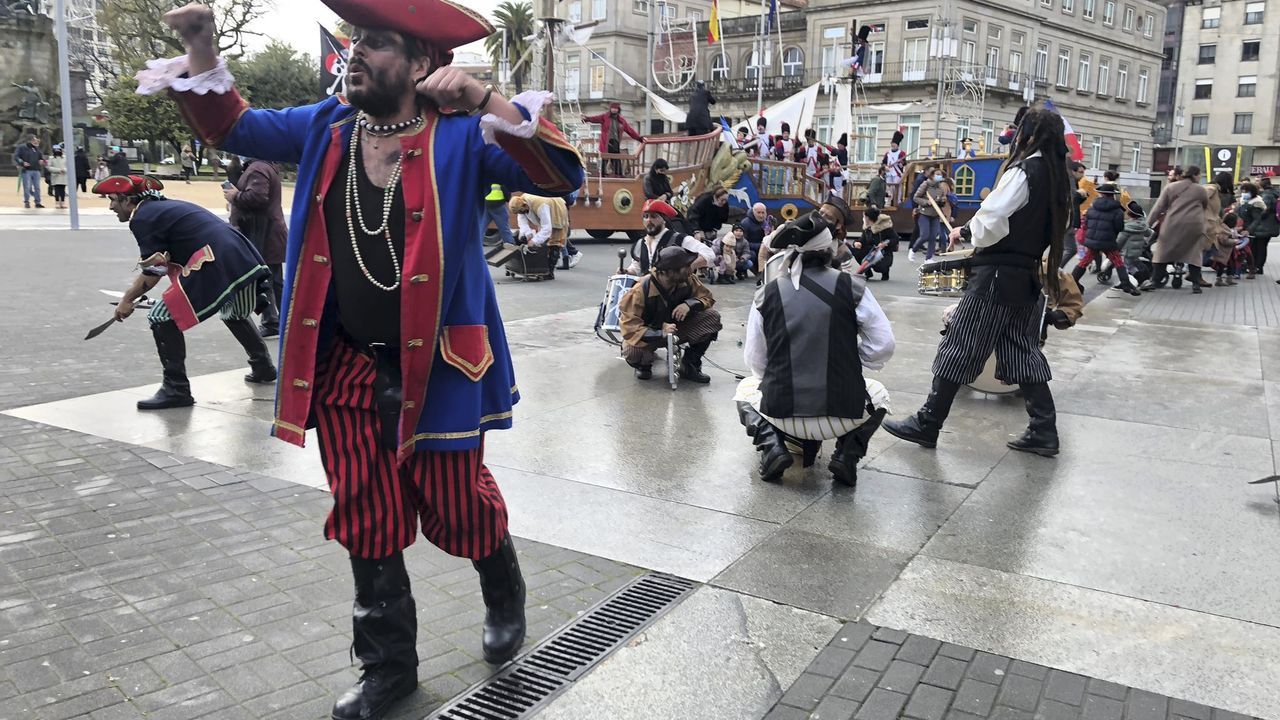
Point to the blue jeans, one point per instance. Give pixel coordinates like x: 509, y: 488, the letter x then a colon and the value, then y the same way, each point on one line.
x: 928, y: 230
x: 31, y: 186
x: 502, y: 219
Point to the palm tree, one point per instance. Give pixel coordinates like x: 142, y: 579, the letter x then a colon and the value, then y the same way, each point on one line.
x: 516, y: 18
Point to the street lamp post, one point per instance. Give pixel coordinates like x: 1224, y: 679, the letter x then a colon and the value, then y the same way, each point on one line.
x: 64, y: 93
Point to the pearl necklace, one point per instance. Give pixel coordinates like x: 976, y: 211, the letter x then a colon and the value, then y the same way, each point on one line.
x: 352, y: 199
x: 389, y: 129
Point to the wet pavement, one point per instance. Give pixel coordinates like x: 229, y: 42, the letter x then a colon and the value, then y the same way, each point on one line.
x: 1138, y: 559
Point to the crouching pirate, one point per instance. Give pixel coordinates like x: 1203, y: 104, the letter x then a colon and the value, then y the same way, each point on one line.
x: 669, y: 301
x: 810, y: 333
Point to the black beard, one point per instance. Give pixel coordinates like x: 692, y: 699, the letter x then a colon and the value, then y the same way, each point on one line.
x: 654, y: 232
x: 376, y: 97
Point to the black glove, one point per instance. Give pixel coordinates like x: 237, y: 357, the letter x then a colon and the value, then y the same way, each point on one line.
x: 1058, y: 319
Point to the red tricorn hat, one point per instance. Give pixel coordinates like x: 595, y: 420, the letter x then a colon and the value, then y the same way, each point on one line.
x: 439, y: 23
x: 127, y: 185
x: 659, y: 207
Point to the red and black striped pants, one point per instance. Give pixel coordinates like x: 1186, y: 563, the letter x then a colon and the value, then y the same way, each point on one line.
x: 377, y: 504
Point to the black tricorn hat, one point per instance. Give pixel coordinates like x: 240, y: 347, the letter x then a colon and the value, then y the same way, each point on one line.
x: 798, y: 231
x: 846, y: 213
x: 674, y: 258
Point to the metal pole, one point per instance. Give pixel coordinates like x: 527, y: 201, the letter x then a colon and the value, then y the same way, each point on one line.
x: 760, y: 44
x: 943, y: 56
x: 1177, y: 126
x: 648, y: 74
x: 64, y: 93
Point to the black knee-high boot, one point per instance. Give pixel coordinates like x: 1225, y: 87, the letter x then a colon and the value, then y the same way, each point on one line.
x: 1077, y: 272
x: 923, y: 427
x: 851, y: 448
x: 503, y: 589
x: 691, y: 362
x: 384, y: 623
x: 1126, y: 284
x: 774, y: 457
x: 263, y: 370
x: 1041, y: 436
x: 175, y: 389
x: 1194, y: 275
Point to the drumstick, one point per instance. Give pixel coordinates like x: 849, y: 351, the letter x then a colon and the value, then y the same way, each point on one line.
x: 938, y: 210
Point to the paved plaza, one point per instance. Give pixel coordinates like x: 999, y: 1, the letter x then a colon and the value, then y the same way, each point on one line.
x: 171, y: 565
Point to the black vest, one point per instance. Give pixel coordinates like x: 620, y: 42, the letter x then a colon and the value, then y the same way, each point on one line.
x: 640, y: 251
x: 1010, y: 278
x: 813, y: 368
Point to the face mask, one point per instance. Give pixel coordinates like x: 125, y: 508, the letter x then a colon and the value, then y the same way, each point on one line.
x: 937, y: 178
x: 1245, y: 196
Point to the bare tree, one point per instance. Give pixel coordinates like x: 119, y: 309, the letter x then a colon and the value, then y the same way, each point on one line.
x: 138, y: 34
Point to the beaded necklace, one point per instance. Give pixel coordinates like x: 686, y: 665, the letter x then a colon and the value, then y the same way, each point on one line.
x: 388, y: 196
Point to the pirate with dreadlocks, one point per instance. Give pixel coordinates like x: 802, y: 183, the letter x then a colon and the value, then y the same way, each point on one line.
x: 1023, y: 217
x: 211, y: 267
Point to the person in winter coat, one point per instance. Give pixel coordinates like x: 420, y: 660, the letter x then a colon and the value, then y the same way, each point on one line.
x: 1225, y: 257
x: 755, y: 227
x: 1074, y: 213
x: 1249, y: 210
x: 1226, y: 193
x: 257, y: 212
x: 1179, y: 214
x: 188, y: 161
x: 1103, y: 224
x: 877, y: 234
x: 657, y: 182
x: 1266, y: 226
x: 699, y: 119
x: 709, y: 212
x: 83, y: 173
x: 118, y: 162
x: 1133, y: 240
x: 928, y: 220
x: 57, y: 167
x: 612, y: 126
x: 103, y: 171
x: 1113, y: 177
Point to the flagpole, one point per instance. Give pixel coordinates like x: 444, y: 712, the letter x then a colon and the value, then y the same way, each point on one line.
x: 720, y: 38
x: 760, y: 41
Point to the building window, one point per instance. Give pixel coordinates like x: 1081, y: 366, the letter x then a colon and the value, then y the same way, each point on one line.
x: 575, y: 12
x: 1088, y: 10
x: 1208, y: 54
x: 864, y: 146
x: 668, y: 11
x: 640, y: 7
x: 1064, y: 67
x: 1149, y: 25
x: 1144, y: 79
x: 874, y: 68
x: 1104, y: 76
x: 1018, y: 38
x: 1204, y: 89
x: 1097, y: 153
x: 752, y: 66
x: 994, y: 32
x: 694, y: 15
x: 1042, y: 63
x: 918, y: 24
x: 993, y: 63
x: 1085, y: 70
x: 1135, y: 160
x: 1210, y: 18
x: 1199, y: 124
x: 965, y: 179
x: 720, y: 67
x: 572, y: 76
x: 968, y: 56
x: 1243, y: 124
x: 1109, y: 12
x: 911, y: 133
x: 1128, y: 17
x: 1015, y: 66
x: 1068, y: 6
x: 597, y: 81
x: 962, y: 132
x: 1250, y: 50
x: 915, y: 59
x: 1248, y: 86
x: 1122, y: 81
x: 1047, y: 3
x: 792, y: 62
x: 970, y: 26
x: 989, y: 134
x: 599, y: 9
x: 1253, y: 13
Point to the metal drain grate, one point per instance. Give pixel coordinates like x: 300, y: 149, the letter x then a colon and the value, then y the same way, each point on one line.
x: 537, y: 677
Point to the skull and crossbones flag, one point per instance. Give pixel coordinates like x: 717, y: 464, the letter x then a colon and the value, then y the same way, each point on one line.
x: 333, y: 61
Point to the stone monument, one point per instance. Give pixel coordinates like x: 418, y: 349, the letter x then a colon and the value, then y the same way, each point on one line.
x: 29, y: 65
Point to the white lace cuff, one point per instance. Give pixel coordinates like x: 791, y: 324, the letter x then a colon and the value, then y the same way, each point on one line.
x: 161, y: 75
x: 532, y: 101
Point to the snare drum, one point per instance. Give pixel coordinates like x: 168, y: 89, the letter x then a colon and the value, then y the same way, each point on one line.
x: 945, y: 275
x: 609, y: 318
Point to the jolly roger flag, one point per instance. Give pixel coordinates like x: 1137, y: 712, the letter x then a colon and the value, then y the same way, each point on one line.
x: 333, y: 62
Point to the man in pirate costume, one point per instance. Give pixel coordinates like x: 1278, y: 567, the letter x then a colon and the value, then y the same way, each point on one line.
x: 544, y: 226
x: 655, y: 214
x: 670, y: 300
x: 810, y: 333
x: 858, y: 62
x: 392, y: 347
x: 212, y: 269
x: 894, y: 162
x: 1025, y: 215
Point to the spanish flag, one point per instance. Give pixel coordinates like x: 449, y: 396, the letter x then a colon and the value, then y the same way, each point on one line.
x: 713, y: 25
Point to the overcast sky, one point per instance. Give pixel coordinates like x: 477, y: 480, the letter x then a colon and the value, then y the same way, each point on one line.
x: 294, y: 22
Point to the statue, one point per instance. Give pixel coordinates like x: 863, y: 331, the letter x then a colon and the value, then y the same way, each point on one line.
x: 12, y: 8
x: 34, y: 108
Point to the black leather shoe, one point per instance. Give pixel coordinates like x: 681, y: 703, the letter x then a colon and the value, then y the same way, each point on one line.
x: 267, y: 331
x: 165, y: 398
x: 774, y: 461
x: 503, y: 589
x: 175, y: 390
x: 912, y: 430
x: 693, y: 373
x: 374, y: 694
x: 644, y: 372
x: 1041, y: 444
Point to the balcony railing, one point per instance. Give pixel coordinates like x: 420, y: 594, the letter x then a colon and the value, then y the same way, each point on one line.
x: 740, y: 88
x: 750, y: 25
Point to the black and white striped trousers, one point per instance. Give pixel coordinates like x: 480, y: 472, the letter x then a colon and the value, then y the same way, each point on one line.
x: 978, y: 328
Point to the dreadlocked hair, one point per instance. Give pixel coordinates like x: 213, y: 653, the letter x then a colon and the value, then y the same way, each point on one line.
x: 1042, y: 131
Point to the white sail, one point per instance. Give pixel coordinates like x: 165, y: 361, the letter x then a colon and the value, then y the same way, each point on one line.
x: 664, y: 108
